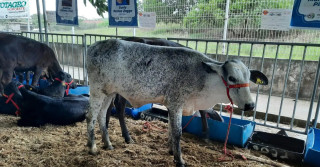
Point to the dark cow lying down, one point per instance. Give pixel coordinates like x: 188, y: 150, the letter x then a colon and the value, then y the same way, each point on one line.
x: 38, y: 110
x: 10, y: 103
x: 182, y: 79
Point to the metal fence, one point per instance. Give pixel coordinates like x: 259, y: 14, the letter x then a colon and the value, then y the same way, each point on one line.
x: 204, y: 19
x: 292, y: 70
x: 210, y: 19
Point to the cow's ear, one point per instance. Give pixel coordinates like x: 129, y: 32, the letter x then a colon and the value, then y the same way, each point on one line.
x: 258, y: 77
x: 211, y: 67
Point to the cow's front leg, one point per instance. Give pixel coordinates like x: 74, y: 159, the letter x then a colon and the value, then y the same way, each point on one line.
x: 175, y: 131
x: 5, y: 78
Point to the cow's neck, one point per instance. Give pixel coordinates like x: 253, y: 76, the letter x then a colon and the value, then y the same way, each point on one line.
x: 213, y: 92
x: 55, y: 68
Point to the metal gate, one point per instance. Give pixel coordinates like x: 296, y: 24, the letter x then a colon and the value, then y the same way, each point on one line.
x: 289, y: 101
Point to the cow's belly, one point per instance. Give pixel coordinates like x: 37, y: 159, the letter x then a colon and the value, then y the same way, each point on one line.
x: 140, y: 101
x: 196, y: 103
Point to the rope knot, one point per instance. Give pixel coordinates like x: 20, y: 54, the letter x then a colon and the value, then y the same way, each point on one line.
x: 229, y: 108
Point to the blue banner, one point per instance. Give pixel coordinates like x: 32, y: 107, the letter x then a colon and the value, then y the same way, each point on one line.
x: 122, y: 13
x: 306, y: 14
x: 67, y: 12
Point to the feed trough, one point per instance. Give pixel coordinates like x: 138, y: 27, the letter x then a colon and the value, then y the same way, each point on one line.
x: 240, y: 130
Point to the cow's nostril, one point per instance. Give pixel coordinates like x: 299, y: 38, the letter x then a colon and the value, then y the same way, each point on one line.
x: 248, y: 106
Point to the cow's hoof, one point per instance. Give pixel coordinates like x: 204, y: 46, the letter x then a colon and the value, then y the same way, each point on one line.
x: 93, y: 150
x: 110, y: 147
x: 129, y: 140
x: 207, y: 140
x: 179, y: 164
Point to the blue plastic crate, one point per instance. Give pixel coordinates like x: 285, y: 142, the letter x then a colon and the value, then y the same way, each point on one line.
x: 312, y: 156
x: 80, y: 90
x: 240, y: 130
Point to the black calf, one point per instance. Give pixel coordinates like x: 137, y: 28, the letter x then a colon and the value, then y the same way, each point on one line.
x: 59, y: 87
x: 38, y: 110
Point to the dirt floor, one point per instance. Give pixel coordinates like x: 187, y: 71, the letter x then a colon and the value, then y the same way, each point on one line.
x: 66, y: 146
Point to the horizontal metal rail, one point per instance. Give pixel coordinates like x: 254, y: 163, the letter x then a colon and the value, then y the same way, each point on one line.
x: 244, y: 42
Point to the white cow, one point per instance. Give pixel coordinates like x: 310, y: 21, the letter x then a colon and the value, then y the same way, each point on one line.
x: 182, y: 79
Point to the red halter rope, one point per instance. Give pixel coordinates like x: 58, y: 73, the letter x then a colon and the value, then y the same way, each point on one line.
x: 9, y: 99
x: 68, y: 85
x: 230, y: 110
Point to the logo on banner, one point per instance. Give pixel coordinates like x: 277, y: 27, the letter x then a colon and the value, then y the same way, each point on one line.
x: 14, y: 9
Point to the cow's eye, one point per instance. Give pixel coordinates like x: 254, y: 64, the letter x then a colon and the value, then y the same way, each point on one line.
x: 232, y: 79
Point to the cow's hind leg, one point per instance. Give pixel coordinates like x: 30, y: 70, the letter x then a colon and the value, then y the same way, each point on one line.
x: 205, y: 127
x: 95, y: 105
x: 175, y: 132
x: 102, y: 122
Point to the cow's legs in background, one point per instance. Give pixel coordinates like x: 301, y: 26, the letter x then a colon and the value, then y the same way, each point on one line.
x: 20, y: 75
x: 28, y: 77
x: 175, y: 131
x: 36, y: 76
x: 120, y: 104
x: 1, y: 84
x: 205, y: 127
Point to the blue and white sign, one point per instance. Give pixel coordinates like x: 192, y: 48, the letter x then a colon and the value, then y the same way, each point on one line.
x: 123, y: 13
x: 67, y: 12
x: 306, y: 14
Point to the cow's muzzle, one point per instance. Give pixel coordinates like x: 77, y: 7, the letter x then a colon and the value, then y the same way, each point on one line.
x: 249, y: 106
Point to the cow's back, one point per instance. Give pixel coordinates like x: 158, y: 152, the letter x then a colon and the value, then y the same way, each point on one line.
x: 137, y: 70
x: 25, y: 52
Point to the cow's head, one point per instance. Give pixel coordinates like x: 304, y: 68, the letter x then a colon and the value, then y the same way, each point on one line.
x: 234, y: 72
x: 67, y: 79
x: 12, y: 87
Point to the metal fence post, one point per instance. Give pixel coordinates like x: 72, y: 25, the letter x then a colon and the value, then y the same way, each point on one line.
x: 45, y: 21
x: 312, y: 97
x: 225, y: 28
x: 39, y: 20
x: 84, y: 45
